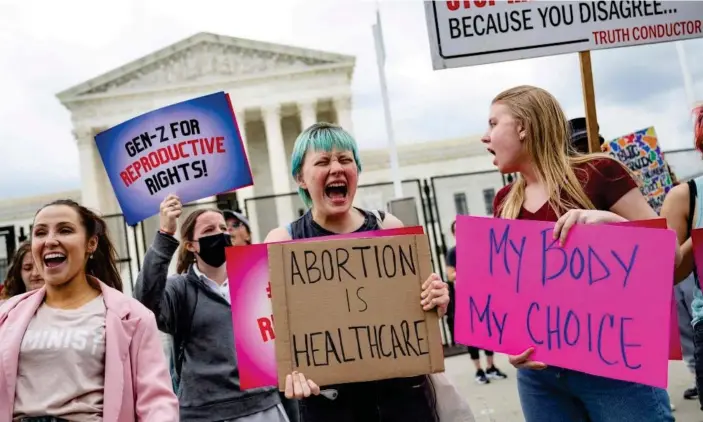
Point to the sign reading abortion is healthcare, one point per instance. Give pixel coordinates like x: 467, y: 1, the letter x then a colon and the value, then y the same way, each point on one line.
x: 192, y: 149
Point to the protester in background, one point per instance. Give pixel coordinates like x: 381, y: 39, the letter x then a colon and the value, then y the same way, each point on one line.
x: 238, y: 227
x: 110, y: 365
x: 22, y: 275
x: 684, y: 293
x: 492, y: 372
x: 193, y: 306
x: 529, y: 134
x: 326, y: 166
x: 683, y: 210
x: 579, y: 136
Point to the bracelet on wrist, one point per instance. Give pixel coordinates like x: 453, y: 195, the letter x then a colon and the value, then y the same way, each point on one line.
x: 167, y: 233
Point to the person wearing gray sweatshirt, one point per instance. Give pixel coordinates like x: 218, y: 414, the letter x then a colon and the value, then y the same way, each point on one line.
x: 193, y: 306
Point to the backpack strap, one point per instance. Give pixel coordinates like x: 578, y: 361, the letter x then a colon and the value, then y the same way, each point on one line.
x: 692, y: 194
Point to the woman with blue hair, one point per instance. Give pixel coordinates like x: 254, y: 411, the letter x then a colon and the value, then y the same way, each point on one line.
x: 326, y: 166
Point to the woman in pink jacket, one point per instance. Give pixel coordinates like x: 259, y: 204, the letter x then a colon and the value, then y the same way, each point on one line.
x: 78, y: 349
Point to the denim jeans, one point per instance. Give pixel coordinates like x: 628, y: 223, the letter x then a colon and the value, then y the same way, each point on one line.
x: 684, y: 294
x: 562, y: 395
x: 698, y: 357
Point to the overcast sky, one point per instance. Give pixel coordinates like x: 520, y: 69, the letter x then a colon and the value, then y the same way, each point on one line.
x: 48, y: 46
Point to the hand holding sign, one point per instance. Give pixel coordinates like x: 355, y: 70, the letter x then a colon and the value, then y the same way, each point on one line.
x: 363, y: 336
x: 298, y: 387
x: 571, y: 217
x: 192, y: 148
x: 169, y: 211
x: 523, y: 360
x: 580, y: 307
x: 435, y: 294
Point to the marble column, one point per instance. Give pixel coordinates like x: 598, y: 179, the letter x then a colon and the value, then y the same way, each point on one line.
x: 343, y: 108
x: 248, y: 192
x: 308, y: 113
x: 88, y: 157
x: 278, y: 163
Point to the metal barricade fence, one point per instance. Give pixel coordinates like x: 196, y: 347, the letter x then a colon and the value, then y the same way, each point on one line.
x: 4, y: 264
x: 464, y: 193
x: 118, y: 233
x: 685, y: 163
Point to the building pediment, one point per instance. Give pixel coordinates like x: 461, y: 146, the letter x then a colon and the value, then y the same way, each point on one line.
x: 206, y: 58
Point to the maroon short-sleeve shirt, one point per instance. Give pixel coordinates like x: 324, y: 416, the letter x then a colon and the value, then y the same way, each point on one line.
x: 604, y: 180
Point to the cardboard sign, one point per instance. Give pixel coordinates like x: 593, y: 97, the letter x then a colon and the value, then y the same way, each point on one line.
x: 252, y: 312
x: 641, y: 153
x: 192, y: 149
x: 473, y: 32
x: 349, y: 310
x: 600, y: 305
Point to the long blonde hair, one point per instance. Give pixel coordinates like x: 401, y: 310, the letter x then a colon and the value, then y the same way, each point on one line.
x: 547, y: 145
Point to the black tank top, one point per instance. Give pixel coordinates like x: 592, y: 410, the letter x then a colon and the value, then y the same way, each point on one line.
x: 305, y: 227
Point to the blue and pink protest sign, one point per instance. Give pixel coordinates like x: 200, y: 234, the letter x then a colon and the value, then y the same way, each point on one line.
x: 601, y: 304
x: 192, y: 149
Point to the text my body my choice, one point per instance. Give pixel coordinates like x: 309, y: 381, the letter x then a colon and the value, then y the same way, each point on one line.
x: 556, y: 326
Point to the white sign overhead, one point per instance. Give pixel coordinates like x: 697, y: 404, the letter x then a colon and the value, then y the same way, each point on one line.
x: 473, y: 32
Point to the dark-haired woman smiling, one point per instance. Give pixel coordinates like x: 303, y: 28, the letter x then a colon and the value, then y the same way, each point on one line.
x: 78, y: 349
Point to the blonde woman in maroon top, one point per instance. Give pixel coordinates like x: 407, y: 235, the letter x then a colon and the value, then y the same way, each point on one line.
x: 529, y: 135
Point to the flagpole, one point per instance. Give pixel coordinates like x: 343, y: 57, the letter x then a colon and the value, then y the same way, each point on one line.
x: 687, y: 79
x: 381, y: 62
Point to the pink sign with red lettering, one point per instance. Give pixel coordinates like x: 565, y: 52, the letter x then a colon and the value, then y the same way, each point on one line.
x: 252, y: 313
x: 601, y: 304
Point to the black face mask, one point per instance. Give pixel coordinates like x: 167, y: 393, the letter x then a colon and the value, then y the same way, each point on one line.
x: 212, y: 248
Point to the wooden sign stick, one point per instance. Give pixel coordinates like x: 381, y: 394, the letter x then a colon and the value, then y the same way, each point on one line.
x: 589, y: 101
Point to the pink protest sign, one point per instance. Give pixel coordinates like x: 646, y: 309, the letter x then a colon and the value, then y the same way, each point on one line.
x: 600, y: 305
x: 675, y: 350
x: 252, y: 313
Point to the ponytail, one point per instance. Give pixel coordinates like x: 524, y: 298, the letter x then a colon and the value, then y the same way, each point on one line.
x: 185, y: 258
x: 102, y: 264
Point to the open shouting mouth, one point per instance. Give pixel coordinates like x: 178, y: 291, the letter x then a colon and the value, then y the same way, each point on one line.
x: 54, y: 259
x: 337, y: 192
